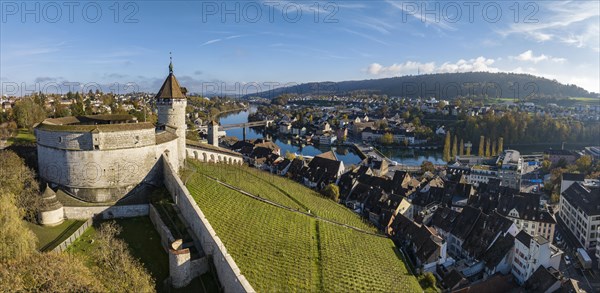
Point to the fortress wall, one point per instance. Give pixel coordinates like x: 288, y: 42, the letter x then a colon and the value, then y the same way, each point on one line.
x: 172, y: 155
x: 182, y: 268
x: 107, y: 212
x: 128, y: 139
x: 101, y: 176
x: 207, y: 156
x: 166, y: 238
x: 228, y: 272
x: 64, y: 140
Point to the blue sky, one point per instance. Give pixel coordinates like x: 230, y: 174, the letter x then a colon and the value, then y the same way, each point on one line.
x: 329, y: 41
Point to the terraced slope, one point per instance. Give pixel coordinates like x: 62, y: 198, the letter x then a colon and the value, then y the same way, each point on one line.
x: 281, y: 250
x: 282, y: 191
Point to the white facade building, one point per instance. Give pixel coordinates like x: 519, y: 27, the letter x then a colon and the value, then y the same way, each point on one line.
x: 530, y: 254
x: 580, y: 211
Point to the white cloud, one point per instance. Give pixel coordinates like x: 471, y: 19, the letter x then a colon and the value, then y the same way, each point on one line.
x: 570, y: 22
x: 417, y: 10
x: 413, y: 67
x: 210, y: 42
x: 528, y: 56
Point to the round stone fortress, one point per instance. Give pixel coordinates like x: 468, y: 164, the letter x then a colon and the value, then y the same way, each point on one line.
x: 100, y: 158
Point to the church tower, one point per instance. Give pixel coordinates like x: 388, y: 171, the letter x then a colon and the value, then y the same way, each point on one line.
x: 171, y: 102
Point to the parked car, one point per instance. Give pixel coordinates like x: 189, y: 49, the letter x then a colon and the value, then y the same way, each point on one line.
x: 567, y: 260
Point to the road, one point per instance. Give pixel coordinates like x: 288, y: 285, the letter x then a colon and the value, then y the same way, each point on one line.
x: 589, y: 280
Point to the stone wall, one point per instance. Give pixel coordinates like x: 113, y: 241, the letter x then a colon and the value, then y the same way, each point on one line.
x: 52, y: 217
x: 64, y: 140
x: 166, y: 237
x: 106, y: 212
x: 126, y: 139
x: 182, y: 268
x: 103, y: 175
x: 228, y: 272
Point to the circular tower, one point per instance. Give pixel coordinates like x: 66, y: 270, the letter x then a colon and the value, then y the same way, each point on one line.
x: 171, y: 102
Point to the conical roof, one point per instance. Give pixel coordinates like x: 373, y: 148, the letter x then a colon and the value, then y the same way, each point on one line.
x: 170, y: 88
x: 48, y: 193
x: 49, y: 200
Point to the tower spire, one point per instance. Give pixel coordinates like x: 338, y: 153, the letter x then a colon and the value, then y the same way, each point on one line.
x: 170, y: 63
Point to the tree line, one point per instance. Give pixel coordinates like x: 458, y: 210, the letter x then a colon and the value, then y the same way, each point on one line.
x: 446, y: 85
x: 487, y: 147
x: 523, y: 128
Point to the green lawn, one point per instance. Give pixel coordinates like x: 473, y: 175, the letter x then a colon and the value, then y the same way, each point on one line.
x: 50, y: 237
x: 144, y: 244
x: 23, y: 136
x: 283, y: 251
x: 585, y: 100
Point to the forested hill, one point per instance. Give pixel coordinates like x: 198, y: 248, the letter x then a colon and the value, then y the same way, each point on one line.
x: 442, y: 85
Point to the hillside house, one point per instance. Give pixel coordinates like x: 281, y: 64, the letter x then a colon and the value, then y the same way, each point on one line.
x: 322, y: 170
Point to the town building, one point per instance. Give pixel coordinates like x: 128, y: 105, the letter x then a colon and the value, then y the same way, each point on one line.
x: 580, y: 211
x: 481, y: 174
x: 425, y: 247
x: 322, y: 170
x: 527, y: 214
x: 531, y: 252
x: 567, y: 179
x: 509, y: 165
x: 593, y: 151
x: 555, y: 156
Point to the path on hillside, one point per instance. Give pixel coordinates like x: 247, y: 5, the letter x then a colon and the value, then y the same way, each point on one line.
x: 276, y: 204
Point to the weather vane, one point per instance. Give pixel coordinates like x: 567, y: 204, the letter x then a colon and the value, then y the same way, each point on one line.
x: 170, y: 63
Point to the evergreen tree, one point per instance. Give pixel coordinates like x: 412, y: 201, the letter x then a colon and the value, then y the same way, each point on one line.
x: 500, y: 145
x: 447, y: 147
x: 487, y: 148
x: 461, y: 148
x: 494, y: 148
x: 481, y: 146
x: 77, y: 107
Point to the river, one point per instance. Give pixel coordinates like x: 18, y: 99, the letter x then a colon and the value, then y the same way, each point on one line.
x: 345, y: 154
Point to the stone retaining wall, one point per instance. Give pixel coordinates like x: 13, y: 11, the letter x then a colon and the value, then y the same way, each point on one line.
x: 166, y: 237
x: 182, y: 268
x: 106, y: 212
x: 227, y: 270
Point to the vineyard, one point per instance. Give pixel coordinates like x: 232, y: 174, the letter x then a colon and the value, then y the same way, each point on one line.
x: 282, y: 191
x: 282, y: 250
